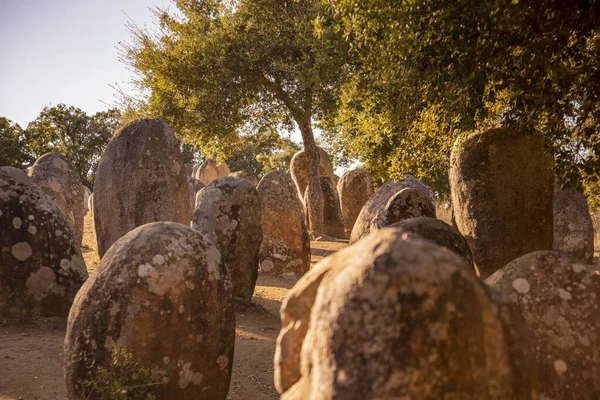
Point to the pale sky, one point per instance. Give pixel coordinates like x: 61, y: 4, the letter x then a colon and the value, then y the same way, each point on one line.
x: 64, y: 51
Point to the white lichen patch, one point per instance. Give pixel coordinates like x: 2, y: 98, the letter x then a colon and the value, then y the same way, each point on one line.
x: 58, y: 233
x: 21, y: 251
x: 187, y: 376
x: 32, y: 229
x: 564, y: 294
x: 560, y: 367
x: 158, y: 259
x: 578, y: 267
x: 17, y: 223
x: 521, y: 285
x: 145, y: 270
x: 222, y: 362
x: 40, y: 281
x: 213, y: 259
x: 65, y: 264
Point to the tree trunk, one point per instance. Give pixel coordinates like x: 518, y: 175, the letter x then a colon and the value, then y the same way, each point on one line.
x: 314, y: 204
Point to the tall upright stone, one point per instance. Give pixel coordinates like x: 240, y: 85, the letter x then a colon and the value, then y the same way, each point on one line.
x: 194, y: 186
x: 140, y: 179
x: 354, y: 189
x: 502, y: 187
x: 372, y: 216
x: 299, y: 169
x: 228, y: 212
x: 54, y: 174
x: 41, y: 267
x: 162, y: 294
x: 333, y: 221
x: 573, y: 227
x: 86, y: 199
x: 208, y: 171
x: 285, y: 247
x: 396, y: 316
x: 558, y: 300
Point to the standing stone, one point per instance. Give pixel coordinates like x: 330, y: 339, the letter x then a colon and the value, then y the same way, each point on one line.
x: 223, y: 170
x: 162, y: 294
x: 502, y: 187
x: 41, y: 268
x: 245, y: 175
x: 86, y: 199
x: 407, y: 203
x: 398, y: 317
x: 140, y: 179
x: 372, y: 215
x: 208, y: 171
x: 354, y: 189
x: 285, y: 246
x: 228, y: 212
x: 444, y: 211
x: 332, y: 214
x: 194, y: 186
x: 90, y: 203
x: 53, y: 173
x: 573, y: 227
x: 441, y: 234
x: 559, y: 303
x: 299, y: 169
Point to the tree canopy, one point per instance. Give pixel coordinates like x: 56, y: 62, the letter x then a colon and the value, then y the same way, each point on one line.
x: 61, y: 129
x: 425, y: 71
x: 218, y: 69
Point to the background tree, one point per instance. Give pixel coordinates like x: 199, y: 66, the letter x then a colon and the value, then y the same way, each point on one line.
x: 219, y: 68
x: 71, y: 132
x: 13, y: 145
x: 426, y: 71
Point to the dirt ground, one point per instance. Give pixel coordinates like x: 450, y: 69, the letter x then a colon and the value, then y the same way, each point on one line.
x: 31, y: 360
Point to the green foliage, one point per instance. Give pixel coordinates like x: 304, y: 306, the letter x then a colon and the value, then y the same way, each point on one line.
x: 219, y: 70
x: 261, y: 153
x: 13, y: 145
x: 71, y: 132
x: 423, y: 72
x: 122, y: 379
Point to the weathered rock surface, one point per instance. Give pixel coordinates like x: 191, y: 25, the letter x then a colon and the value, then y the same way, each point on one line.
x: 86, y: 199
x: 285, y: 246
x: 189, y: 168
x: 388, y: 318
x: 41, y: 268
x: 161, y: 293
x: 354, y: 189
x: 502, y: 187
x: 407, y: 203
x: 140, y: 179
x: 558, y: 300
x: 299, y: 169
x: 372, y: 215
x: 53, y: 173
x: 573, y: 227
x: 194, y: 186
x: 228, y: 212
x: 245, y: 175
x: 439, y: 233
x: 333, y: 221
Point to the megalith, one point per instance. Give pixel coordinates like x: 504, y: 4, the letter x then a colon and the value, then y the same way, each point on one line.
x: 41, y: 267
x: 558, y: 300
x: 354, y: 189
x: 502, y: 187
x: 299, y: 169
x: 246, y: 175
x: 53, y: 173
x: 573, y: 227
x: 228, y: 212
x: 333, y: 221
x: 396, y: 316
x: 140, y: 179
x: 285, y: 246
x: 162, y: 294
